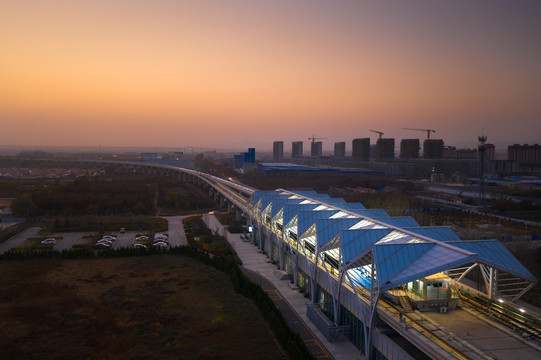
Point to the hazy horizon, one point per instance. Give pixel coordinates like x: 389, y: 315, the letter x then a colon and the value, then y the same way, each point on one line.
x: 238, y: 74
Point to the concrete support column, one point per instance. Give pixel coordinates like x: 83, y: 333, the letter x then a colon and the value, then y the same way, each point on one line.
x: 238, y: 214
x: 295, y: 271
x: 313, y: 287
x: 222, y: 201
x: 260, y: 237
x: 269, y: 243
x: 280, y: 252
x: 229, y: 207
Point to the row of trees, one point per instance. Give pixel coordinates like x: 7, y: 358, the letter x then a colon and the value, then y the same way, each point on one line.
x: 88, y: 196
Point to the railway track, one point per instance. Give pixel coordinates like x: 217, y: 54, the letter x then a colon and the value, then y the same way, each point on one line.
x: 506, y: 315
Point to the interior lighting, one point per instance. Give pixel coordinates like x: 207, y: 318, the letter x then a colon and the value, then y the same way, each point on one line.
x: 500, y: 301
x: 521, y: 310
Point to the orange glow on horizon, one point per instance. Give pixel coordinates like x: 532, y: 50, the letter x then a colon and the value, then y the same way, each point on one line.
x: 231, y: 67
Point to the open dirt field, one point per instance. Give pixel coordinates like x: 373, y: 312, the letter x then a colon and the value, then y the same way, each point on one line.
x: 151, y: 307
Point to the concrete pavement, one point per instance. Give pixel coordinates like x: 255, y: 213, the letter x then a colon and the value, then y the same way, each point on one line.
x: 17, y: 239
x: 257, y: 262
x: 175, y: 230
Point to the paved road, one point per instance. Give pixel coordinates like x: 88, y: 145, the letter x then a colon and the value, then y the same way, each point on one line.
x: 16, y: 240
x: 177, y: 236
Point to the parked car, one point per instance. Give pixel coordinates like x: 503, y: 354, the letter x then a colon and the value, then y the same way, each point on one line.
x: 139, y: 246
x: 122, y: 230
x: 159, y: 236
x: 102, y: 245
x: 109, y: 237
x: 50, y: 241
x: 161, y: 245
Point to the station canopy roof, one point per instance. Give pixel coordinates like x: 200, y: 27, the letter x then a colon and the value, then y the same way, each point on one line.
x: 401, y: 250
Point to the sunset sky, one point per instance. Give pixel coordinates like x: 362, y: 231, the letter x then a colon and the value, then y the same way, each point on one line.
x: 241, y: 73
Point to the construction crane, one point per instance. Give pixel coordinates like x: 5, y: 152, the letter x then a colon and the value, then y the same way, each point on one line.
x: 314, y: 138
x: 380, y: 133
x: 428, y: 131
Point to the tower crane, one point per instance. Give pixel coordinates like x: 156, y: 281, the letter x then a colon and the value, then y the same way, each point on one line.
x: 380, y: 133
x: 314, y: 138
x: 428, y: 131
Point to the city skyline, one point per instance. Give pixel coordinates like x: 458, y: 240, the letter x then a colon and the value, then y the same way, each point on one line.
x: 241, y: 73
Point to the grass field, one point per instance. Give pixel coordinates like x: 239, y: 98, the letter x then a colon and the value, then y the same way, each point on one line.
x: 152, y: 307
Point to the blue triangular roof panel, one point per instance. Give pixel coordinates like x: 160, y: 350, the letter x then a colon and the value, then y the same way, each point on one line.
x: 440, y: 233
x: 392, y: 259
x: 268, y: 198
x: 372, y: 213
x: 305, y: 219
x: 436, y: 259
x: 493, y: 253
x: 357, y: 242
x: 290, y: 210
x: 399, y: 221
x: 327, y: 229
x: 352, y: 206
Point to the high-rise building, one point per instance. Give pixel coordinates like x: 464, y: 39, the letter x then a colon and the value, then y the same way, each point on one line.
x: 296, y: 149
x: 340, y: 149
x: 384, y: 149
x: 490, y: 152
x: 278, y: 151
x: 409, y: 148
x: 361, y: 149
x: 433, y: 149
x: 525, y: 154
x: 316, y: 149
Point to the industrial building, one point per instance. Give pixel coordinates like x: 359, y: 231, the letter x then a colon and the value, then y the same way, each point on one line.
x: 340, y: 149
x: 433, y: 149
x: 296, y: 149
x: 384, y: 149
x: 278, y: 151
x: 361, y: 149
x: 409, y: 148
x: 316, y: 149
x: 245, y: 159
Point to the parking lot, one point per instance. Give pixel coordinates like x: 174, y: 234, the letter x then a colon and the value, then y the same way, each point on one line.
x: 66, y: 240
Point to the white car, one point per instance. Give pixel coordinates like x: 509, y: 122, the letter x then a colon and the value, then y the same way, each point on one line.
x: 159, y: 236
x: 108, y: 237
x: 50, y: 241
x: 161, y: 245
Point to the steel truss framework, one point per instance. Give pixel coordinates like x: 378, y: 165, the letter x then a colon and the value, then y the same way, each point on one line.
x: 345, y: 247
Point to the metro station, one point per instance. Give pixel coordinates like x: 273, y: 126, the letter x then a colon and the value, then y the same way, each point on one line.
x: 361, y: 267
